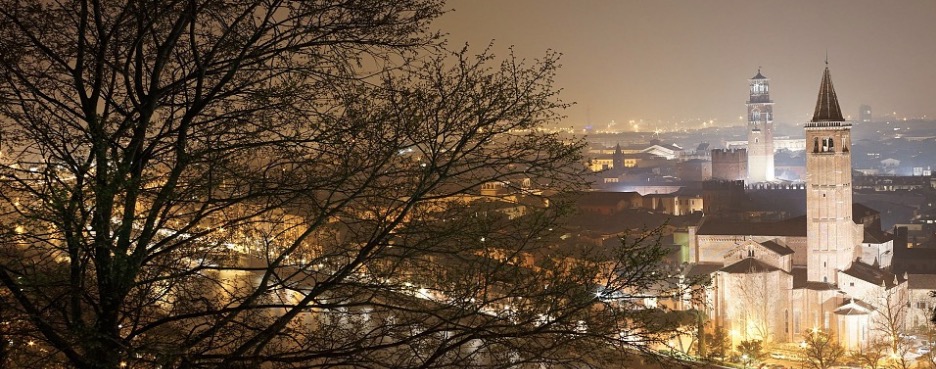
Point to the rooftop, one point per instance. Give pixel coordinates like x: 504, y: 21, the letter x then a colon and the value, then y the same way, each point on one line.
x: 827, y: 106
x: 749, y: 265
x: 921, y: 281
x: 777, y: 248
x: 871, y: 274
x: 795, y: 227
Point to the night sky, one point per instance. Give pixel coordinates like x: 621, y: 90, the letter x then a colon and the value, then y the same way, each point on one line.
x: 689, y: 60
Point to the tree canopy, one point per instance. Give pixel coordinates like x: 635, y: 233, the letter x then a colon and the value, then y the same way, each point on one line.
x: 274, y: 183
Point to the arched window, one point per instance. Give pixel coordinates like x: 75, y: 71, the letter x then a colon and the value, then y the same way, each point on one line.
x: 816, y: 145
x: 827, y: 145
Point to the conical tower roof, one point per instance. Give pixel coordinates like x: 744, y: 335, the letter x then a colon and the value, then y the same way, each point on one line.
x: 759, y: 75
x: 827, y: 106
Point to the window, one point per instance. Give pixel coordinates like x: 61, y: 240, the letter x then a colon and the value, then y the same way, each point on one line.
x: 851, y: 284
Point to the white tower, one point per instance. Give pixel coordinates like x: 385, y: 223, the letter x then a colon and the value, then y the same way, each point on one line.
x: 760, y: 149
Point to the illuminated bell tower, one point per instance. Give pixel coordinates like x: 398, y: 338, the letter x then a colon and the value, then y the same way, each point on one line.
x: 760, y: 149
x: 830, y: 231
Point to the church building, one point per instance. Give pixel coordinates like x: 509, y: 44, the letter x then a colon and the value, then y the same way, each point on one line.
x: 829, y: 270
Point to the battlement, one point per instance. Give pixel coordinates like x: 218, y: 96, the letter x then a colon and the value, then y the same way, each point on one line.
x: 796, y: 186
x: 729, y: 153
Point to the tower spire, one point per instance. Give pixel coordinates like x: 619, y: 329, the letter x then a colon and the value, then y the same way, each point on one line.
x: 827, y: 106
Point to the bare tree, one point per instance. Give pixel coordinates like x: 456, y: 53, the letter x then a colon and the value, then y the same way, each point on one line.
x: 927, y: 358
x: 757, y: 307
x: 871, y: 354
x: 820, y: 350
x: 274, y: 183
x: 889, y: 322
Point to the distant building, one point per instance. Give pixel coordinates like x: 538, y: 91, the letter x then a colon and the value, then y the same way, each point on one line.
x: 760, y: 148
x: 722, y: 195
x: 694, y: 170
x: 731, y: 164
x: 864, y: 113
x: 780, y: 143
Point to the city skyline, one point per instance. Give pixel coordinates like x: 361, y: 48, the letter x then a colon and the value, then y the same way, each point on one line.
x: 666, y: 62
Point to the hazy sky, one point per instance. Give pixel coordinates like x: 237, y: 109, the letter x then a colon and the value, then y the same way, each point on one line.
x: 691, y: 59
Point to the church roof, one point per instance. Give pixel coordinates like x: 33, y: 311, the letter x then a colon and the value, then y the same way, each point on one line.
x: 875, y: 236
x: 827, y: 106
x: 819, y: 286
x: 793, y: 227
x: 696, y: 270
x: 854, y: 307
x: 870, y: 274
x: 777, y: 248
x: 749, y: 265
x: 921, y: 281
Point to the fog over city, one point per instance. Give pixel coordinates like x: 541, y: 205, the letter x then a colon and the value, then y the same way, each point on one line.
x: 682, y: 61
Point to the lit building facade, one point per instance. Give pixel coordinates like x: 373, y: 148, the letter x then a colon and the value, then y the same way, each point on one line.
x: 760, y: 150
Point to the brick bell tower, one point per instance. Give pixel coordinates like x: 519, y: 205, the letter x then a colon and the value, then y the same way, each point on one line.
x: 830, y: 231
x: 760, y: 149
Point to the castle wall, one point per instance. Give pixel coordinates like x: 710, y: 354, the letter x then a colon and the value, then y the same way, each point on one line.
x: 731, y: 164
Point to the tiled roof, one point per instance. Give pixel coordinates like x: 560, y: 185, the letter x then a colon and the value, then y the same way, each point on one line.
x: 749, y: 265
x: 872, y: 235
x: 921, y: 281
x: 696, y: 270
x: 854, y: 307
x: 795, y: 227
x: 777, y: 248
x: 870, y: 274
x: 819, y: 286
